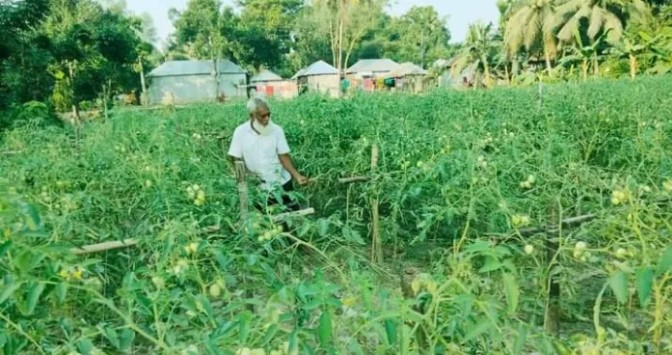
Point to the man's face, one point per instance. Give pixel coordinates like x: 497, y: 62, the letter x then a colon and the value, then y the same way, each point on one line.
x: 262, y: 115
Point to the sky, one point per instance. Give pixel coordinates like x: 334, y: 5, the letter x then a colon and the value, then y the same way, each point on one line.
x: 460, y: 13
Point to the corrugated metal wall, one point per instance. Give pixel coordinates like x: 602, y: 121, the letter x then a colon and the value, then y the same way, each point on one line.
x: 193, y: 88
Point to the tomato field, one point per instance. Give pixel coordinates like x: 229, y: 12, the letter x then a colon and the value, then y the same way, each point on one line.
x: 467, y: 197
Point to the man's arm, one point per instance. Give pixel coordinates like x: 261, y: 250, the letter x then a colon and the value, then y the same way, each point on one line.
x: 286, y: 161
x: 235, y: 152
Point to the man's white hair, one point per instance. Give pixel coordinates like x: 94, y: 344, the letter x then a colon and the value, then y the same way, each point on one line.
x: 255, y: 103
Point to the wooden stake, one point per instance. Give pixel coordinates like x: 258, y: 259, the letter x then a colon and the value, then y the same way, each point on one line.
x: 376, y: 248
x: 105, y: 93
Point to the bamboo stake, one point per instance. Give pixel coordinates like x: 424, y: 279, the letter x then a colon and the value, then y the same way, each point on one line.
x: 376, y: 248
x: 553, y: 311
x: 241, y: 173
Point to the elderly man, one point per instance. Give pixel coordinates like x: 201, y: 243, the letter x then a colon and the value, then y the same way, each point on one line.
x: 262, y: 145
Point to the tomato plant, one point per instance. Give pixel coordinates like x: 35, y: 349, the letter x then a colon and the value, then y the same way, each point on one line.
x: 461, y: 178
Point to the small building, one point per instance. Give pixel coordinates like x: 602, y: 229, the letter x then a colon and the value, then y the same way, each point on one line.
x: 369, y: 74
x: 272, y: 84
x: 190, y: 81
x: 319, y: 77
x: 408, y: 77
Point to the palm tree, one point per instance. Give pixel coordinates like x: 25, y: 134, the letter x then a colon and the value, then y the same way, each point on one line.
x: 481, y: 47
x: 602, y: 16
x: 531, y: 26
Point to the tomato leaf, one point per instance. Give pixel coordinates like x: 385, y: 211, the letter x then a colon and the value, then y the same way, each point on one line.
x: 644, y: 278
x: 512, y: 291
x: 665, y: 262
x: 34, y: 296
x: 477, y: 330
x: 619, y: 285
x: 325, y: 331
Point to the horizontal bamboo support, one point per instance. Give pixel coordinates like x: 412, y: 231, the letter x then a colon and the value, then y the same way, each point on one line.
x: 354, y: 179
x: 95, y: 248
x: 105, y: 246
x: 569, y: 222
x: 552, y: 229
x: 301, y: 213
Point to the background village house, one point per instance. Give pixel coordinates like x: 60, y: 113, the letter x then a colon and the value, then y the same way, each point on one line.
x: 271, y: 84
x: 190, y: 81
x: 319, y: 77
x: 365, y: 73
x: 409, y: 77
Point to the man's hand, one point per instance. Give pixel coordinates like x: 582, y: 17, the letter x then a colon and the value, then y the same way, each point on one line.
x: 302, y: 180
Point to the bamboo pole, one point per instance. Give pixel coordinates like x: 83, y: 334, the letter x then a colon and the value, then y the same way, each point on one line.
x: 241, y: 173
x: 376, y: 248
x: 553, y: 310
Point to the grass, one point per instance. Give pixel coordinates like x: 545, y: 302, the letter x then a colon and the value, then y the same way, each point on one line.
x: 460, y: 175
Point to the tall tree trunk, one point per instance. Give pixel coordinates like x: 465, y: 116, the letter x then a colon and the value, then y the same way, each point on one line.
x: 486, y: 73
x: 144, y: 100
x: 341, y: 19
x: 596, y: 66
x: 584, y: 69
x: 549, y: 67
x: 507, y: 74
x: 633, y: 66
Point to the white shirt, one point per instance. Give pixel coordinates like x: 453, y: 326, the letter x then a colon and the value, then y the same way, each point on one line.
x: 260, y: 153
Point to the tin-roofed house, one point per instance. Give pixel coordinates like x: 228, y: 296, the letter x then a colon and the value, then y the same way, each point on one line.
x: 272, y: 84
x: 319, y: 77
x: 191, y: 81
x: 369, y: 74
x: 408, y: 77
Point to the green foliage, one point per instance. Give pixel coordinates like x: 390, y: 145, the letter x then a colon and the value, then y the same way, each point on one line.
x: 460, y: 176
x: 63, y: 52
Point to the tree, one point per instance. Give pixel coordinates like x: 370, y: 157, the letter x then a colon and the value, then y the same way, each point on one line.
x: 201, y: 25
x: 479, y: 52
x: 344, y: 22
x: 600, y: 16
x: 531, y: 26
x: 264, y: 31
x: 422, y: 36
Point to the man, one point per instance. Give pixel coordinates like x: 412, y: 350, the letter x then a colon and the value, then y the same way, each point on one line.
x: 262, y: 145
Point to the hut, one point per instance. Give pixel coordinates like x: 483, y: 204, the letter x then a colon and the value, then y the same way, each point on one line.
x: 369, y: 73
x: 319, y: 77
x: 272, y: 84
x: 190, y: 81
x: 408, y: 77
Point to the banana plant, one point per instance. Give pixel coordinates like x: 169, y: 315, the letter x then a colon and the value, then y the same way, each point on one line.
x: 632, y: 47
x: 586, y: 54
